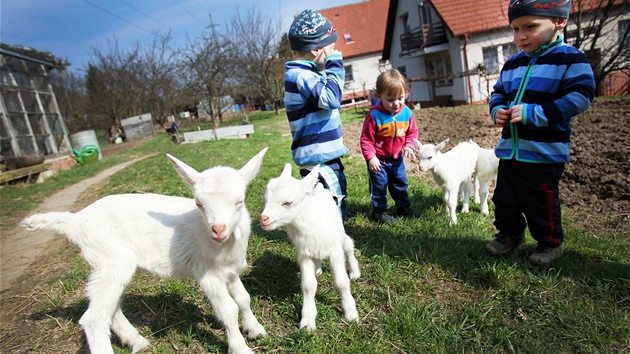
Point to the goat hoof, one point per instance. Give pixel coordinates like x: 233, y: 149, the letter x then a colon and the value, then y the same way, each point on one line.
x: 140, y: 345
x: 352, y: 316
x: 355, y: 275
x: 256, y: 332
x: 307, y: 325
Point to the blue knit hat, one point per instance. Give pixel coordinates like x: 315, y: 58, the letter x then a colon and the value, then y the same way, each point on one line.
x: 310, y: 30
x: 548, y: 8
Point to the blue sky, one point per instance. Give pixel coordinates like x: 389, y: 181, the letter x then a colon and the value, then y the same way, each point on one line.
x: 69, y: 29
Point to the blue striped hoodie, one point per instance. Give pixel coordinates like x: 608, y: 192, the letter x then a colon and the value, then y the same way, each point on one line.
x: 554, y: 84
x: 312, y: 102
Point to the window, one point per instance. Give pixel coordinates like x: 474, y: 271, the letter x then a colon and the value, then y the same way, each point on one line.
x: 349, y: 75
x: 624, y: 33
x: 423, y: 13
x: 439, y: 69
x: 348, y: 38
x: 404, y: 19
x: 494, y: 57
x: 403, y: 70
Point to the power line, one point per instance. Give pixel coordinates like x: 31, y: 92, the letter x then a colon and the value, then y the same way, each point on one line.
x: 118, y: 17
x: 190, y: 13
x: 135, y: 8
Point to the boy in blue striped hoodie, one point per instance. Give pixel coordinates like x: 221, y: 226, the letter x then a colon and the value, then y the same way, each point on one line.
x: 313, y: 84
x: 539, y: 92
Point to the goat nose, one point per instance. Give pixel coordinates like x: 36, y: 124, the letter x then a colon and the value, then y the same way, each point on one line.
x: 219, y: 230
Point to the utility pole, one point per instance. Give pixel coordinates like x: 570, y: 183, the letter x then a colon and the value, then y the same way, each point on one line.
x: 212, y: 26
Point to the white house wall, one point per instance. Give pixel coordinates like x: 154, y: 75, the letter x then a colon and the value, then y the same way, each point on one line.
x: 365, y: 70
x: 480, y: 85
x: 475, y: 88
x: 414, y: 65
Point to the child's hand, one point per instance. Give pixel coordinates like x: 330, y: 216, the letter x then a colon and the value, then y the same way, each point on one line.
x: 501, y: 117
x: 374, y: 165
x: 516, y: 114
x: 323, y: 53
x: 409, y: 153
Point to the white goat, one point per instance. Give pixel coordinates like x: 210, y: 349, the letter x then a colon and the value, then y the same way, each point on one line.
x: 315, y: 228
x: 204, y: 238
x: 485, y: 172
x: 452, y: 171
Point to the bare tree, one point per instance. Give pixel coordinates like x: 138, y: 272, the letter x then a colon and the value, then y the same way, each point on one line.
x: 602, y: 32
x: 208, y: 69
x: 140, y: 80
x: 260, y: 67
x: 69, y: 88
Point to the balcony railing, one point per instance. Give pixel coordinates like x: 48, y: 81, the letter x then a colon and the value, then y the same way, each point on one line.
x: 422, y: 37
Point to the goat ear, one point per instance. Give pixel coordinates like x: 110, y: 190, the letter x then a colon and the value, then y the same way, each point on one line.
x: 187, y: 173
x: 418, y: 144
x: 251, y: 168
x: 441, y: 145
x: 286, y: 171
x: 310, y: 181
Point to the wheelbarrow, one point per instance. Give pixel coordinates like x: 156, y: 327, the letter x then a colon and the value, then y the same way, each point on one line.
x: 88, y: 155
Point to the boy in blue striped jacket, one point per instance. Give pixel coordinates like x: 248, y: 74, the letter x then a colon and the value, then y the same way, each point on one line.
x: 313, y: 84
x: 539, y: 92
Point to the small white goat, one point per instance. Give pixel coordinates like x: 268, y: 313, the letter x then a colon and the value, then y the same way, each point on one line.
x: 452, y: 171
x: 204, y: 238
x: 315, y: 228
x: 485, y: 172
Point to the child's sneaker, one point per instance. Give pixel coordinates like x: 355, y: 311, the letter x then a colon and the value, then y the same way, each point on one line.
x: 407, y: 212
x: 503, y: 244
x: 545, y: 255
x: 383, y: 217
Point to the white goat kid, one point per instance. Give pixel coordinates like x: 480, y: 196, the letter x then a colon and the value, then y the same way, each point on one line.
x: 452, y: 171
x: 315, y: 228
x: 485, y: 173
x: 204, y: 238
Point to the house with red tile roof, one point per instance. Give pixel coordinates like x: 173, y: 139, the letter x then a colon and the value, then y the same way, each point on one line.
x: 361, y: 31
x: 451, y: 51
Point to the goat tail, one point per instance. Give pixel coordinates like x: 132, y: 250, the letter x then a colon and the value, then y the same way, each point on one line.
x: 60, y: 222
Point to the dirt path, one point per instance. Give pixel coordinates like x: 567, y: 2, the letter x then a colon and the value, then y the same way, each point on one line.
x: 19, y: 247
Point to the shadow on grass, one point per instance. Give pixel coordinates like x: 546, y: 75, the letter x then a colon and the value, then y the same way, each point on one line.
x: 161, y: 313
x: 460, y: 250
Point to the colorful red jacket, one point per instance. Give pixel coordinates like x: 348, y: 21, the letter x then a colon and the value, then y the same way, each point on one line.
x: 384, y: 135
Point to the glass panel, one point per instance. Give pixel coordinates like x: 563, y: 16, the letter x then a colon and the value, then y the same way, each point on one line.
x: 19, y: 124
x: 491, y: 59
x: 349, y: 75
x: 5, y: 148
x: 623, y: 31
x: 43, y: 144
x: 26, y: 146
x: 403, y: 70
x: 4, y: 132
x: 38, y: 125
x: 509, y: 50
x: 22, y: 80
x: 35, y: 68
x: 11, y: 100
x: 29, y: 99
x: 47, y: 102
x: 15, y: 64
x: 4, y: 77
x: 41, y: 83
x: 55, y: 123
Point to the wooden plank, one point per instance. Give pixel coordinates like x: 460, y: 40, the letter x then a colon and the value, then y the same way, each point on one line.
x: 10, y: 175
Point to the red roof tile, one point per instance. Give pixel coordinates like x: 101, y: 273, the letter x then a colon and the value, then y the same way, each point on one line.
x: 364, y: 21
x: 463, y: 17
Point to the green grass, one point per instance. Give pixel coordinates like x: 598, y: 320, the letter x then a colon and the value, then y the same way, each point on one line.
x: 425, y: 288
